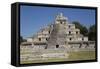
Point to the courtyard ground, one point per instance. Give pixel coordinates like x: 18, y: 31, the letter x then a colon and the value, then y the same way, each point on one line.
x: 73, y: 56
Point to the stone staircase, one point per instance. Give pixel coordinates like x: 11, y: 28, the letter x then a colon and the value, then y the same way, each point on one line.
x: 57, y: 36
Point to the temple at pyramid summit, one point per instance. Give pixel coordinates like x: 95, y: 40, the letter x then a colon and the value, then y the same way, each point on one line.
x: 59, y: 35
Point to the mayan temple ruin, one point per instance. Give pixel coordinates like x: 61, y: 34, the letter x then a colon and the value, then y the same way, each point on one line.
x: 55, y: 40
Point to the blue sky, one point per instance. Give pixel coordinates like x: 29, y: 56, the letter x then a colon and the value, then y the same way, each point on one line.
x: 32, y: 18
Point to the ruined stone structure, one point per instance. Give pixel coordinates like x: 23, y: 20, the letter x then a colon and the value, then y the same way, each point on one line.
x: 60, y: 34
x: 55, y: 41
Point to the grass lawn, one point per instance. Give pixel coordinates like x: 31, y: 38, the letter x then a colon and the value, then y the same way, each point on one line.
x: 73, y: 56
x: 82, y: 55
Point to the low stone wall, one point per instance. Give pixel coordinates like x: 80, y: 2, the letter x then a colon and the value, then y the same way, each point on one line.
x: 85, y: 45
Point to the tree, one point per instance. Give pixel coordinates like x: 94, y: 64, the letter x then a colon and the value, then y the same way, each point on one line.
x: 22, y: 40
x: 83, y: 29
x: 92, y: 33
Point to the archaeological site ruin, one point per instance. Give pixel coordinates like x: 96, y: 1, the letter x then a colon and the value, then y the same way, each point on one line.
x: 58, y: 41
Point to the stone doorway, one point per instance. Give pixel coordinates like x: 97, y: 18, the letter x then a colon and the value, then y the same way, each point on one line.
x: 57, y: 46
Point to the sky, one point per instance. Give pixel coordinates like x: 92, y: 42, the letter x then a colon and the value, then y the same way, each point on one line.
x: 33, y: 18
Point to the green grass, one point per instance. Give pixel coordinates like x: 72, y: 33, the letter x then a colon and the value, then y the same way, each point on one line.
x: 83, y: 55
x: 43, y: 61
x: 73, y: 56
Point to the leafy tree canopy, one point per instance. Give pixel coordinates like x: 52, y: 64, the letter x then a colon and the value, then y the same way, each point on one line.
x: 92, y: 32
x: 83, y: 29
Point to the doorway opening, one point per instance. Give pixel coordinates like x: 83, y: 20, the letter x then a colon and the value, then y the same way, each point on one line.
x: 57, y: 46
